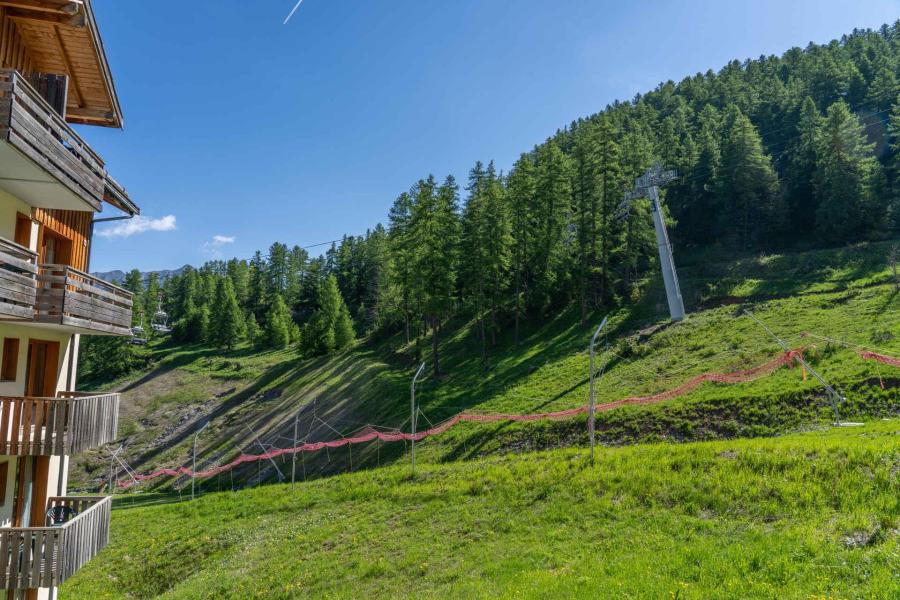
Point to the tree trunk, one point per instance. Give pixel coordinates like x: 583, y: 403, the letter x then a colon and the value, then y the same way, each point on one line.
x: 481, y: 334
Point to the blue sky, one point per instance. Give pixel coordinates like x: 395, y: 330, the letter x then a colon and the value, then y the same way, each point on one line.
x: 240, y: 131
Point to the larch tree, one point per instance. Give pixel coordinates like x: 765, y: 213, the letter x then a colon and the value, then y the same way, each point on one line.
x: 520, y: 195
x: 278, y: 324
x: 435, y: 228
x: 552, y: 194
x: 226, y: 318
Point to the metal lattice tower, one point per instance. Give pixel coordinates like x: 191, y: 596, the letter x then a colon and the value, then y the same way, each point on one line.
x: 647, y: 186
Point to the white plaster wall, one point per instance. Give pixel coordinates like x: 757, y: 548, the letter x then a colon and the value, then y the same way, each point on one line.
x: 9, y: 206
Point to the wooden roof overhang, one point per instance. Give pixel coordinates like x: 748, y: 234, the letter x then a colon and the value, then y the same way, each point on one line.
x: 62, y: 37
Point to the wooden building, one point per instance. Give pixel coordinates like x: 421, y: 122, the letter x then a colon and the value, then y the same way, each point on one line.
x: 53, y: 73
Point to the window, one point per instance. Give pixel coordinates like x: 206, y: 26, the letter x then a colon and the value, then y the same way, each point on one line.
x: 10, y: 363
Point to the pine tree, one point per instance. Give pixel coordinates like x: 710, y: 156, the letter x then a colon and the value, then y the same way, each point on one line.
x: 254, y: 333
x: 239, y: 273
x: 520, y: 194
x: 748, y: 184
x: 227, y: 321
x: 400, y: 260
x: 435, y: 228
x: 845, y: 176
x: 278, y: 323
x: 343, y: 328
x: 552, y: 195
x: 695, y: 222
x: 486, y: 243
x: 257, y: 291
x: 277, y: 270
x: 893, y: 166
x: 801, y: 166
x: 610, y: 184
x: 331, y: 327
x: 151, y: 300
x: 134, y: 283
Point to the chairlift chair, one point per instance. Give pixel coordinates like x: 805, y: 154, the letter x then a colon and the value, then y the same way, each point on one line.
x: 160, y: 323
x: 139, y: 334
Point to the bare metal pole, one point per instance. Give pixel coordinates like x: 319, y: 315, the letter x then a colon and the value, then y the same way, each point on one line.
x: 274, y: 464
x: 194, y: 458
x: 412, y: 415
x: 112, y: 462
x: 833, y: 394
x: 593, y: 404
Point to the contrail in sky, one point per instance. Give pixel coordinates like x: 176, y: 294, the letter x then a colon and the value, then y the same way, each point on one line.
x: 296, y: 6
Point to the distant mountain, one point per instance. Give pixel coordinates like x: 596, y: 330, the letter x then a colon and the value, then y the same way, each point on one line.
x: 118, y: 277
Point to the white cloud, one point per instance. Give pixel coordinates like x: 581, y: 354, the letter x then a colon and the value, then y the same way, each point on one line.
x: 214, y: 246
x: 138, y: 224
x: 221, y: 240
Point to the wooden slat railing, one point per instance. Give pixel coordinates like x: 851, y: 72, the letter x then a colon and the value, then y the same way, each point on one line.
x: 28, y: 122
x: 35, y: 557
x: 57, y: 426
x: 18, y: 288
x: 67, y: 296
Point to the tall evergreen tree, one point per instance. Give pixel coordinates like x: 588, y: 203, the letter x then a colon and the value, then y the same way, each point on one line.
x: 278, y: 324
x: 227, y: 321
x: 801, y: 167
x: 434, y: 224
x: 845, y: 176
x: 748, y: 184
x: 550, y: 212
x: 485, y: 243
x: 520, y: 198
x: 134, y: 283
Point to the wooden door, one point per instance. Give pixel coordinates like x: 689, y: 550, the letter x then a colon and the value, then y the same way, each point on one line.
x: 23, y: 230
x: 41, y: 369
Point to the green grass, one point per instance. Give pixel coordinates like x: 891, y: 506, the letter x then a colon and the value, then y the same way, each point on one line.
x: 843, y: 293
x: 811, y: 515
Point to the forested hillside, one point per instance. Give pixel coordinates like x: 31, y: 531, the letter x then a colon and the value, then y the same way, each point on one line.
x: 801, y: 150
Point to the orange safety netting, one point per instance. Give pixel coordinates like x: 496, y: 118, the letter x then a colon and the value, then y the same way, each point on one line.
x: 888, y: 360
x: 371, y: 435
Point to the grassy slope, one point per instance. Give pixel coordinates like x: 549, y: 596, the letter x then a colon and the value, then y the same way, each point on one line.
x: 811, y: 515
x: 843, y: 293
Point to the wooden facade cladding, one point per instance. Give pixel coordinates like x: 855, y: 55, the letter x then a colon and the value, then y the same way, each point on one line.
x: 74, y: 226
x: 62, y: 40
x: 14, y: 53
x: 32, y: 557
x: 60, y: 426
x: 18, y: 284
x: 72, y: 298
x: 34, y: 128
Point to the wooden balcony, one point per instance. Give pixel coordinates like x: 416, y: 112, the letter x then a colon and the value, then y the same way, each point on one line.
x: 18, y: 286
x: 72, y: 298
x: 60, y: 426
x: 52, y: 167
x: 35, y: 557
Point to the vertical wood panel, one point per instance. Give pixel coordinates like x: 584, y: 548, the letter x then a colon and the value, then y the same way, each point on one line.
x: 74, y: 225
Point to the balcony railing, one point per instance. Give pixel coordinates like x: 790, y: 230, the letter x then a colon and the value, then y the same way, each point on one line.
x: 31, y: 125
x: 35, y: 557
x: 72, y: 298
x: 61, y: 426
x: 18, y: 268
